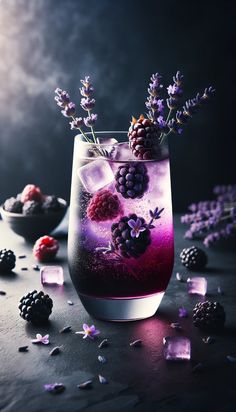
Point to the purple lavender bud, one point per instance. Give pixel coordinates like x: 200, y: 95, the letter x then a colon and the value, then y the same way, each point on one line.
x: 181, y: 117
x: 155, y: 104
x: 86, y: 81
x: 58, y: 91
x: 76, y: 123
x: 207, y: 94
x: 155, y: 85
x: 188, y: 234
x: 69, y: 110
x: 174, y: 91
x: 172, y: 103
x: 162, y: 125
x: 63, y: 99
x: 87, y: 103
x: 211, y: 239
x: 174, y: 126
x: 86, y: 91
x: 178, y: 78
x: 90, y: 120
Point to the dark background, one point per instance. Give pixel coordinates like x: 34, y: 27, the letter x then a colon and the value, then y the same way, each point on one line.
x: 50, y: 43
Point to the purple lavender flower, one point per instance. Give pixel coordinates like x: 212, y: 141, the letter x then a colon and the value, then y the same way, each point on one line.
x: 178, y: 78
x: 41, y: 339
x: 76, y: 123
x: 183, y: 313
x: 155, y: 104
x: 155, y: 86
x: 90, y: 120
x: 136, y: 227
x: 63, y: 98
x: 172, y: 103
x: 181, y: 117
x: 88, y: 331
x: 54, y: 388
x: 87, y: 103
x: 69, y: 110
x: 162, y: 124
x: 174, y: 91
x: 174, y: 126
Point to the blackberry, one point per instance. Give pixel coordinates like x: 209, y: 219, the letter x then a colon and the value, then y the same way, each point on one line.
x: 132, y: 180
x: 7, y: 260
x: 51, y: 204
x: 13, y: 205
x: 144, y: 138
x: 31, y: 207
x: 193, y: 258
x: 209, y: 315
x: 35, y: 307
x: 127, y: 245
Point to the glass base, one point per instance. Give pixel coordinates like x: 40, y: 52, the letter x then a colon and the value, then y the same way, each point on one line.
x: 122, y: 310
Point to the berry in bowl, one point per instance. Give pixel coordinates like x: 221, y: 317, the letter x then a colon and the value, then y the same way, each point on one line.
x: 32, y: 214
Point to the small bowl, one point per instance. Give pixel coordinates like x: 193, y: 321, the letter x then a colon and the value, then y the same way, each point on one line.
x: 31, y: 227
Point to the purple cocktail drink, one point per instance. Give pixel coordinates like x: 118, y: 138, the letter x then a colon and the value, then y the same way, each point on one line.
x: 120, y: 245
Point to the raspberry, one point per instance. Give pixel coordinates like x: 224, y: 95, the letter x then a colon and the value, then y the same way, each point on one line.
x: 132, y: 180
x: 127, y: 245
x: 209, y: 315
x: 31, y: 192
x: 13, y: 205
x: 45, y: 248
x: 103, y: 206
x: 193, y: 258
x: 31, y: 207
x: 51, y: 204
x: 144, y: 139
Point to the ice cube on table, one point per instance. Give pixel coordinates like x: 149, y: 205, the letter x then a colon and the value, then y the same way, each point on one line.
x: 95, y: 175
x: 197, y: 285
x: 52, y: 275
x: 177, y: 348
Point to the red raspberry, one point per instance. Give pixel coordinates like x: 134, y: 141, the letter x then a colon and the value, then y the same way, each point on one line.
x: 45, y: 248
x: 31, y: 192
x: 103, y: 206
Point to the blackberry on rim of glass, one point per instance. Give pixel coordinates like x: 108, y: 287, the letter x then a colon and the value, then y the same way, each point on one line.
x: 193, y: 258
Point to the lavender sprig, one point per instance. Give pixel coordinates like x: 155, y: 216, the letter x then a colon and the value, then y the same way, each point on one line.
x: 87, y: 103
x: 213, y: 220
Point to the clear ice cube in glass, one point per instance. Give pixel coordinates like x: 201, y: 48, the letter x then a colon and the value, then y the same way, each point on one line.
x: 197, y: 285
x: 177, y: 348
x: 95, y: 175
x: 52, y: 275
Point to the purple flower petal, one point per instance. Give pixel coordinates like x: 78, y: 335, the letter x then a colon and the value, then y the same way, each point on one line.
x: 132, y: 223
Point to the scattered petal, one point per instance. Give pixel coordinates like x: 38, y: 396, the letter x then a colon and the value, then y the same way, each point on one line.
x: 88, y: 331
x: 54, y: 388
x: 179, y: 277
x: 231, y: 358
x: 176, y: 326
x: 136, y: 343
x: 2, y: 293
x: 85, y: 385
x: 55, y: 351
x: 102, y: 359
x: 183, y: 313
x: 23, y: 348
x: 220, y: 291
x: 66, y: 329
x: 21, y: 256
x: 103, y: 344
x: 102, y: 380
x: 36, y: 267
x: 198, y: 368
x: 208, y: 340
x: 70, y: 303
x: 41, y: 339
x: 24, y: 268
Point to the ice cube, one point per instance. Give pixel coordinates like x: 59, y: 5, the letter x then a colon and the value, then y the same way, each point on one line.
x: 177, y: 348
x: 124, y: 152
x: 108, y: 147
x: 52, y: 275
x: 95, y: 175
x: 197, y: 285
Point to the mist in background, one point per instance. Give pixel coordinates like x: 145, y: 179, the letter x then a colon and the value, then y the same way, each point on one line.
x: 46, y: 44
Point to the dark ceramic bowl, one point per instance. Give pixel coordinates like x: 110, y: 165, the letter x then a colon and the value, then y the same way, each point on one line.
x: 32, y: 227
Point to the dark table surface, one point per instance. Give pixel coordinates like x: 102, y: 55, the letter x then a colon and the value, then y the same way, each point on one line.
x: 139, y: 378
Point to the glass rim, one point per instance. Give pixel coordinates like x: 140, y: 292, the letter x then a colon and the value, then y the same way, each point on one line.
x: 80, y: 137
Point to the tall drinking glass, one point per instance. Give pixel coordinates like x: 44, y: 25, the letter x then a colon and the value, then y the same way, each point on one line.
x: 120, y: 243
